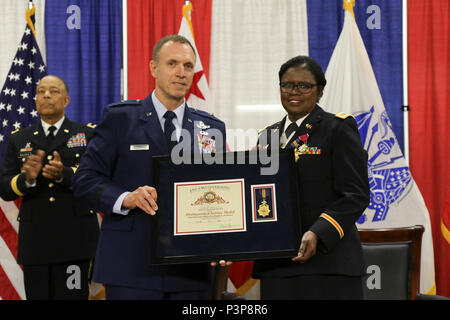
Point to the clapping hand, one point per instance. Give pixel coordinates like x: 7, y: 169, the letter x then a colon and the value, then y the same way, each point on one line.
x: 32, y: 166
x: 53, y: 170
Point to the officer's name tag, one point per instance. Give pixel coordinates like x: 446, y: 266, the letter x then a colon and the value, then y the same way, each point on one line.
x: 139, y: 147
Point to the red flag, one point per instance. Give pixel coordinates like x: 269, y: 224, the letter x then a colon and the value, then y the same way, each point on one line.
x: 444, y: 251
x: 149, y: 21
x: 428, y: 65
x: 240, y: 274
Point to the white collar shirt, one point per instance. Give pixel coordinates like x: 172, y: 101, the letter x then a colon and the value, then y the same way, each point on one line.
x: 161, y: 110
x: 58, y: 125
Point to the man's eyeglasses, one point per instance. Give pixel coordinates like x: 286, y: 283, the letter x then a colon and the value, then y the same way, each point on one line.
x: 302, y: 87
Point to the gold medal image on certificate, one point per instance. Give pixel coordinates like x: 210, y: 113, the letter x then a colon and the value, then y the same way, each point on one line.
x: 209, y: 207
x: 264, y: 203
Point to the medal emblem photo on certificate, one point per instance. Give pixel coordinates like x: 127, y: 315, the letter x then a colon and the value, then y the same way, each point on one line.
x: 263, y: 203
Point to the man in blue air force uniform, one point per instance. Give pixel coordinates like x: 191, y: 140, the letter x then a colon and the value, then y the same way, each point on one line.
x: 115, y: 177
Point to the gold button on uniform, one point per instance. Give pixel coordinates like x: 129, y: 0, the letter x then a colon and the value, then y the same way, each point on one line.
x: 51, y: 185
x: 49, y: 157
x: 52, y: 199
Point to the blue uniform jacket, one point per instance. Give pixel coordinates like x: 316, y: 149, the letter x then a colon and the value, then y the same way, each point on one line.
x: 109, y: 167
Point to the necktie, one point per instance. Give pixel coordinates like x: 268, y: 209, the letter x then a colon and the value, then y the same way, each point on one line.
x: 50, y: 136
x: 290, y: 129
x: 169, y: 128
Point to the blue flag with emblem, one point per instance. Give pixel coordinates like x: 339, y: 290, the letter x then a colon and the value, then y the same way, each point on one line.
x: 17, y: 98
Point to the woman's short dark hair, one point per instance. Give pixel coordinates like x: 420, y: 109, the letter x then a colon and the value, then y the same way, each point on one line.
x: 307, y: 63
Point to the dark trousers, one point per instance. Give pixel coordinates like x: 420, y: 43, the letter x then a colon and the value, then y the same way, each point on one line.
x: 312, y: 287
x: 66, y: 281
x: 125, y: 293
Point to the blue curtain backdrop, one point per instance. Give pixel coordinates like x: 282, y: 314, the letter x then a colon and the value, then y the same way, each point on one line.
x: 84, y: 43
x: 383, y: 44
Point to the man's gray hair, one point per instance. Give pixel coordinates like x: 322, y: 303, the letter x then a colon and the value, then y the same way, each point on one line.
x: 164, y: 40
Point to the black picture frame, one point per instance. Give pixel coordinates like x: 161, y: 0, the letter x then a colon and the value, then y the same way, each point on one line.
x: 273, y: 239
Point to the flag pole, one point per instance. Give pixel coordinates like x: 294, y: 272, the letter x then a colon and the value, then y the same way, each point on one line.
x: 124, y: 51
x: 405, y: 107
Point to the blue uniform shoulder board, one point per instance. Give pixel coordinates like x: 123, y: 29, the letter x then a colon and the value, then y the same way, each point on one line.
x: 125, y: 103
x: 343, y: 115
x: 205, y: 114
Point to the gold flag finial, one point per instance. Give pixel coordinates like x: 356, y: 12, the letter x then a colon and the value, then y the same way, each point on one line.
x: 28, y: 14
x: 187, y: 8
x: 348, y: 5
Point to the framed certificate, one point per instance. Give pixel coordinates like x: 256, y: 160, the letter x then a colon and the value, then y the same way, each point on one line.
x: 209, y: 207
x: 225, y: 210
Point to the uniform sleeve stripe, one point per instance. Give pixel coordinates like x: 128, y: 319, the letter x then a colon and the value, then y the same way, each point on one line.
x: 334, y: 223
x: 14, y: 186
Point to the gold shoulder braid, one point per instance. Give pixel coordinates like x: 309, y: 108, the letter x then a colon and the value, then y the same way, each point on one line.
x: 343, y: 115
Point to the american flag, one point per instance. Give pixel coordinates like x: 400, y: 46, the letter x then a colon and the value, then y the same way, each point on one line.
x: 17, y: 110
